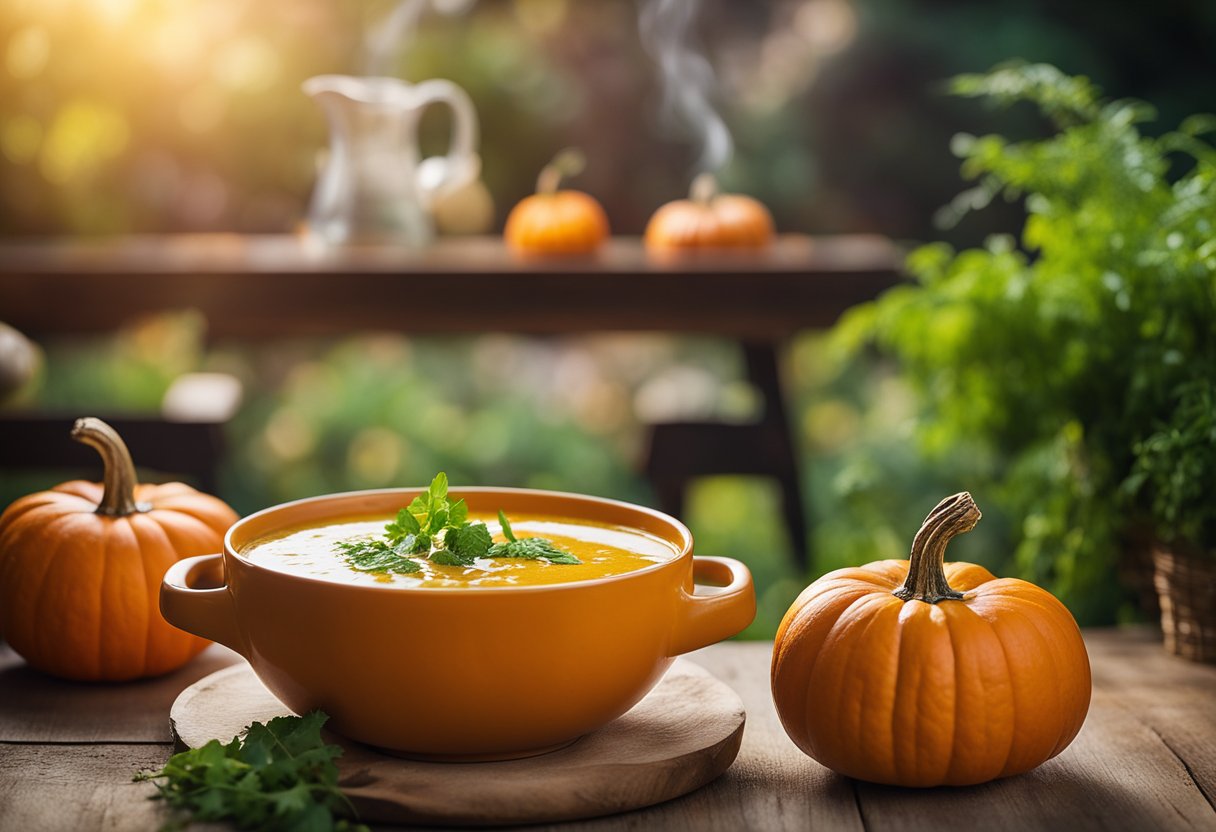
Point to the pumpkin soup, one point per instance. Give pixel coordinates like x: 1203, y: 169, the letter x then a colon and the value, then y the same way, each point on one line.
x: 318, y: 551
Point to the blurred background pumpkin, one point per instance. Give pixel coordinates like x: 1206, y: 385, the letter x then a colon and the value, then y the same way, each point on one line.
x: 555, y: 221
x: 709, y: 220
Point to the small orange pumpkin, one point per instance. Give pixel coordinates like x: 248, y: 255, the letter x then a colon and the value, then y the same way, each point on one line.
x: 552, y: 221
x: 81, y: 567
x: 920, y: 673
x: 710, y: 220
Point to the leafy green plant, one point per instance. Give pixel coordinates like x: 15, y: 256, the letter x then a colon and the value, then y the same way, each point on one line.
x: 1175, y: 470
x: 280, y: 776
x: 1043, y: 361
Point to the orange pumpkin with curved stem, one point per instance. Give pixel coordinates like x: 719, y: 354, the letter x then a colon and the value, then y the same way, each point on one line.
x: 553, y: 221
x: 709, y: 220
x: 81, y: 567
x: 920, y: 673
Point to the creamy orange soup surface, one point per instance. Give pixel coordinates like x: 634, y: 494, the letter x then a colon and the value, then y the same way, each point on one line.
x: 604, y: 550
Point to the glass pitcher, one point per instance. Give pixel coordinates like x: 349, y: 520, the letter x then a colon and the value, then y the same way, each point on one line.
x: 373, y: 188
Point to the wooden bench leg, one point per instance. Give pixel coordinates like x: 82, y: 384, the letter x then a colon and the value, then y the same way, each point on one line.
x: 764, y: 373
x: 679, y: 452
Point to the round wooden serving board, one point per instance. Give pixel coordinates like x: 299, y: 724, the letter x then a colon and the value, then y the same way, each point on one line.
x: 681, y: 736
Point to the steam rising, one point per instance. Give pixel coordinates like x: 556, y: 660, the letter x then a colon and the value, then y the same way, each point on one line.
x: 687, y: 78
x: 393, y: 34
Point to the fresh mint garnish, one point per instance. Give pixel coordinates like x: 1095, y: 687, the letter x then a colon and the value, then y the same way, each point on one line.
x: 432, y: 527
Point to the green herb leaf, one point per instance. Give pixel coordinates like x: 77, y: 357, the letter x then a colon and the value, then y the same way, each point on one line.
x: 532, y: 548
x: 438, y: 520
x: 506, y: 526
x: 439, y: 488
x: 420, y: 506
x: 405, y: 524
x: 378, y: 555
x: 472, y: 540
x: 281, y: 776
x: 449, y: 558
x: 458, y: 514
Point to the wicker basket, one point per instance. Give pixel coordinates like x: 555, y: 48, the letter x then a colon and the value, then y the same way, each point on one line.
x: 1186, y: 585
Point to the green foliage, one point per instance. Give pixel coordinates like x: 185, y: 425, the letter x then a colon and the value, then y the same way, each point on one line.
x: 280, y: 777
x: 1049, y: 358
x: 431, y: 517
x: 1175, y: 470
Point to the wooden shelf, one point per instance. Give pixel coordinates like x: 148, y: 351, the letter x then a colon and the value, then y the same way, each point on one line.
x: 274, y: 286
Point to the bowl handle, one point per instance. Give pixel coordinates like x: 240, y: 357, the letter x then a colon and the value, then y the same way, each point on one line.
x: 208, y: 611
x: 703, y: 620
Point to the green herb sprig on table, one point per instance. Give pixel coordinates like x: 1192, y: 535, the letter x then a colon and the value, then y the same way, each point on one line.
x: 433, y: 527
x: 280, y: 776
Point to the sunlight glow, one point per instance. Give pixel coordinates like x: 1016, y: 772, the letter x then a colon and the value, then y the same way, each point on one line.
x: 28, y: 51
x: 83, y: 136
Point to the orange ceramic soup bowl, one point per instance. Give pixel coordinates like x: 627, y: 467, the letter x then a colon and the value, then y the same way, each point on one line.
x: 467, y: 672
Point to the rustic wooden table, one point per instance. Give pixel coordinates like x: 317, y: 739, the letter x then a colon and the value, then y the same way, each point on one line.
x: 1145, y: 760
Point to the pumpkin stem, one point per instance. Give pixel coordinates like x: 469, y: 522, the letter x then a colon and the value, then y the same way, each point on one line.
x: 568, y: 162
x: 118, y: 497
x: 704, y: 188
x: 926, y: 579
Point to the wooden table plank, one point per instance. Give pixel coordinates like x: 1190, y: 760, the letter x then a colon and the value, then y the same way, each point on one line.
x: 1117, y: 774
x: 275, y: 286
x: 36, y: 708
x: 78, y: 787
x: 1142, y: 761
x: 1175, y: 698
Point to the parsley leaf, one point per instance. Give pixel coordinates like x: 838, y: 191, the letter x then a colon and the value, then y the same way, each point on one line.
x: 438, y: 520
x: 463, y: 545
x: 532, y: 548
x: 447, y: 557
x: 420, y: 505
x: 378, y: 555
x: 439, y: 488
x: 405, y: 524
x: 471, y: 540
x: 507, y: 532
x: 281, y: 776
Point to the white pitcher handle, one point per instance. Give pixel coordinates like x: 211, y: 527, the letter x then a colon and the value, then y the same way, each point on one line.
x: 439, y: 175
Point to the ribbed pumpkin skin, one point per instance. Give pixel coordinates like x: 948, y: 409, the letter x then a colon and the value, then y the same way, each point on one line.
x: 79, y: 591
x: 911, y: 693
x: 564, y: 222
x: 725, y: 221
